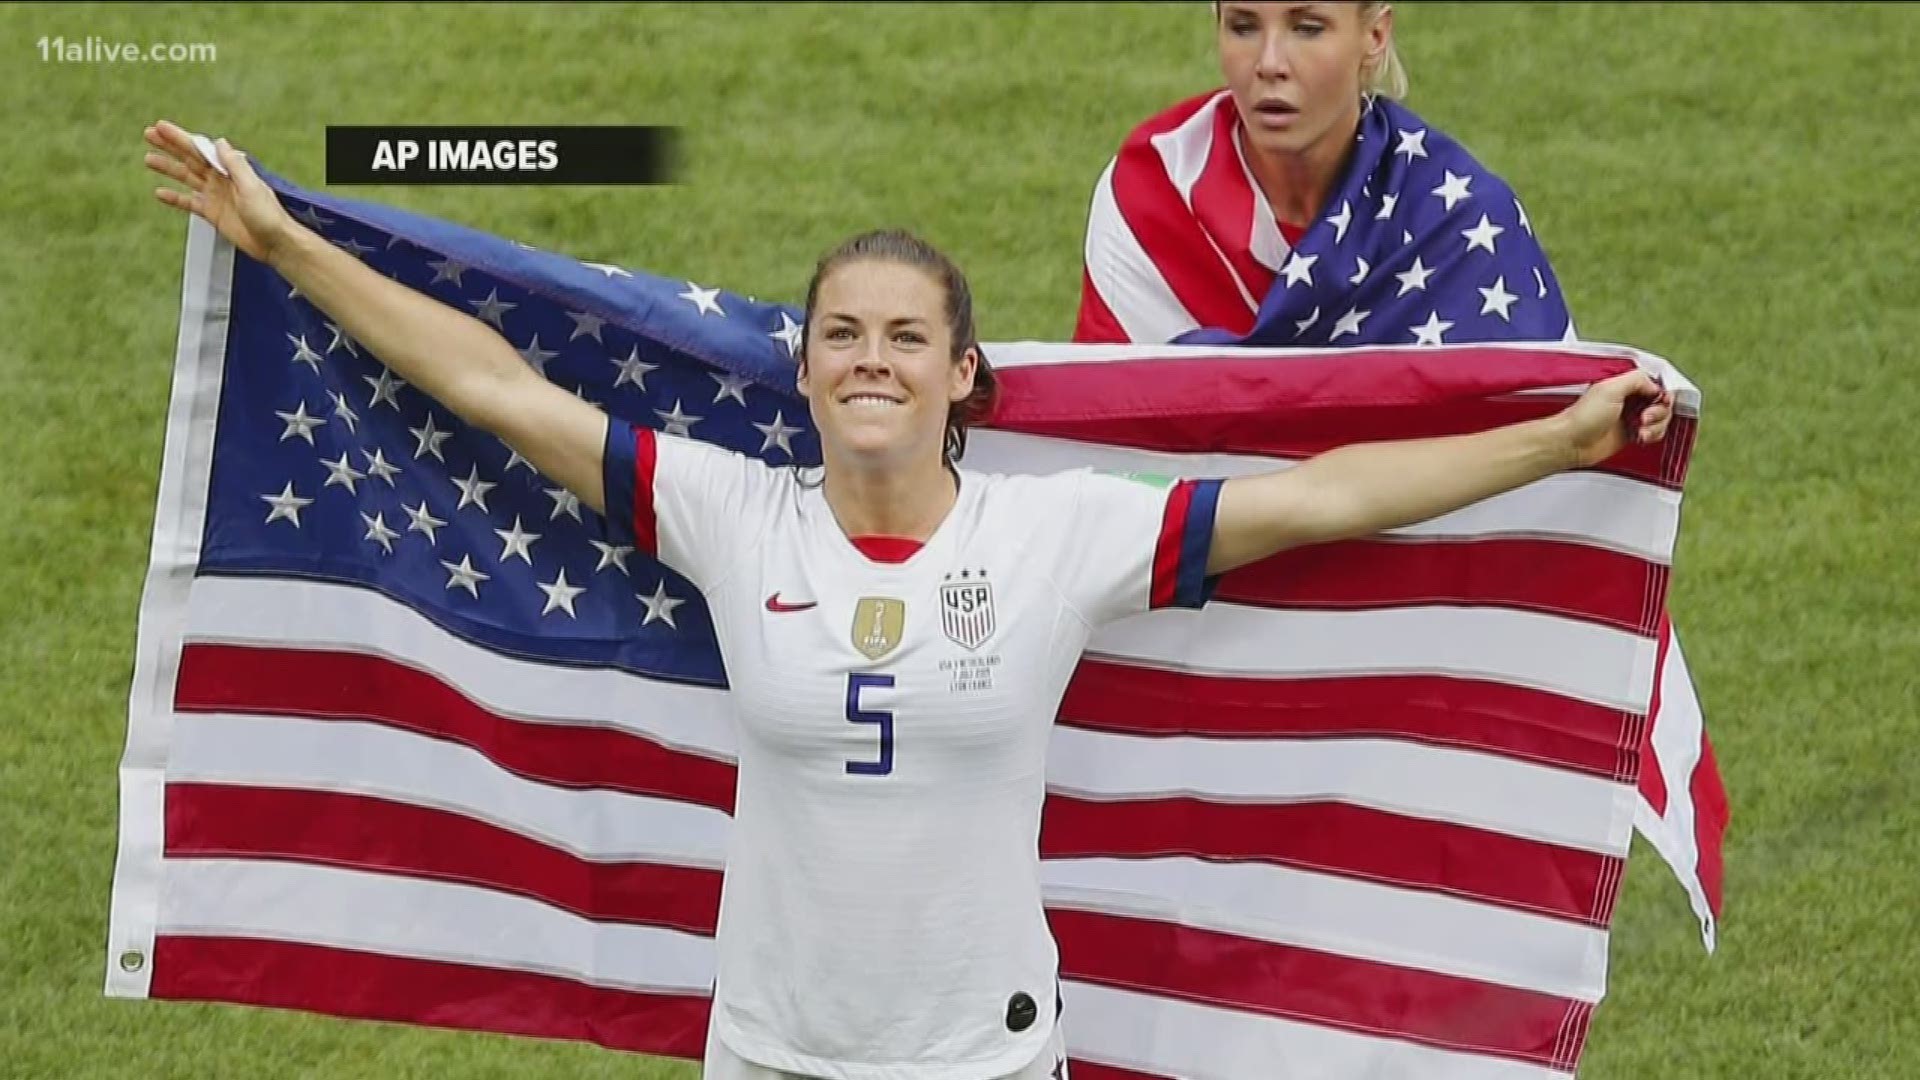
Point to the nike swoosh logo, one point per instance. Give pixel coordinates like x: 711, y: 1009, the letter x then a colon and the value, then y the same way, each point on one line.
x: 774, y: 603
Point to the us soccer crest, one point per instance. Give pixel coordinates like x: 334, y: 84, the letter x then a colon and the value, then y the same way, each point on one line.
x: 966, y: 609
x: 878, y: 622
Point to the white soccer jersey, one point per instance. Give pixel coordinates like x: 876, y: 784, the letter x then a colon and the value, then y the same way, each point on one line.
x: 881, y: 915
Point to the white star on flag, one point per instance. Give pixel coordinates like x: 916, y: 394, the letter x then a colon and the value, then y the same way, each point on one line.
x: 285, y: 505
x: 473, y: 490
x: 560, y: 594
x: 790, y: 333
x: 537, y: 357
x: 354, y: 247
x: 1522, y: 211
x: 1341, y: 220
x: 299, y: 423
x: 1300, y: 326
x: 303, y: 353
x: 731, y: 386
x: 706, y: 300
x: 464, y: 576
x: 777, y: 434
x: 341, y: 340
x: 379, y: 533
x: 1498, y: 299
x: 1482, y: 235
x: 660, y: 606
x: 584, y: 323
x: 609, y: 269
x: 614, y: 555
x: 677, y: 422
x: 1429, y: 334
x: 518, y: 541
x: 377, y: 465
x: 492, y: 308
x: 564, y: 502
x: 385, y: 388
x: 1454, y: 188
x: 1359, y: 272
x: 1413, y: 144
x: 446, y: 270
x: 1299, y: 268
x: 632, y: 370
x: 1414, y: 277
x: 344, y: 411
x: 343, y: 473
x: 1349, y: 323
x: 428, y: 440
x: 312, y: 217
x: 514, y: 458
x: 1387, y: 203
x: 423, y: 521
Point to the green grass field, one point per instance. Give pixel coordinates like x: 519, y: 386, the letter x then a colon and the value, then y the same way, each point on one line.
x: 1729, y: 185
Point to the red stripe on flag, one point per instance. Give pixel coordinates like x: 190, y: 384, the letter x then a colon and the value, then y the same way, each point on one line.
x: 432, y: 993
x: 1303, y: 405
x: 1223, y: 201
x: 1097, y: 323
x: 333, y: 685
x: 1166, y: 550
x: 1093, y: 1070
x: 1710, y: 818
x: 1653, y: 781
x: 1530, y: 725
x: 382, y: 835
x: 1554, y: 577
x: 1166, y: 230
x: 1337, y: 838
x: 1364, y: 996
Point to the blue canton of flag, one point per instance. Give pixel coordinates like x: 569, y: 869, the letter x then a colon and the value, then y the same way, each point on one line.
x: 329, y: 465
x: 1421, y: 245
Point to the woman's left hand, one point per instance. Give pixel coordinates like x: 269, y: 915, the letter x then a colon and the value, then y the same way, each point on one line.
x: 1600, y: 424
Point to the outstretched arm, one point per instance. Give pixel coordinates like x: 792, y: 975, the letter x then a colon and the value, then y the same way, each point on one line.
x: 452, y: 357
x: 1365, y: 489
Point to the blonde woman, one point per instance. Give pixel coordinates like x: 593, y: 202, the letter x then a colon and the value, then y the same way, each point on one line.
x: 1304, y: 204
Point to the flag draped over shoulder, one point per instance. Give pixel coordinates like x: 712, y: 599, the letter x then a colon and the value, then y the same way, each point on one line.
x: 1420, y: 244
x: 409, y: 739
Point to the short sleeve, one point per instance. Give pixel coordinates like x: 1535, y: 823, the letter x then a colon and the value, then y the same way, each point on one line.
x: 1136, y: 542
x: 684, y: 502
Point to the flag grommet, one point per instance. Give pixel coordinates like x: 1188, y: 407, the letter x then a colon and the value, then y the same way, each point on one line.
x: 132, y: 961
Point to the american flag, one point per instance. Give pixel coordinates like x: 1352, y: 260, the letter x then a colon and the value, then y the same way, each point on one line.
x: 1421, y: 244
x: 410, y: 740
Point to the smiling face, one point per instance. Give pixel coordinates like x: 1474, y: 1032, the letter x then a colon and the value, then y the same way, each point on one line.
x: 879, y: 372
x: 1296, y: 69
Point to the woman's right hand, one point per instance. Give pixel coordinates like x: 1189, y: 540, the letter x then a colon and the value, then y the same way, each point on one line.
x: 239, y: 205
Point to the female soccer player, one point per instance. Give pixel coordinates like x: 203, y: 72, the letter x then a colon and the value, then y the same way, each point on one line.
x: 1302, y: 191
x: 881, y: 917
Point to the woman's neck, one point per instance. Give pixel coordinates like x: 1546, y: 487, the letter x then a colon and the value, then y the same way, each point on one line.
x: 893, y: 502
x: 1296, y: 185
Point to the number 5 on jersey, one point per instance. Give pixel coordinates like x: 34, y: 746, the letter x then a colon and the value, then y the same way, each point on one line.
x: 856, y: 682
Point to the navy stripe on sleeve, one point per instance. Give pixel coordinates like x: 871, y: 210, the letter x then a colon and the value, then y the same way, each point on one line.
x: 1192, y: 586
